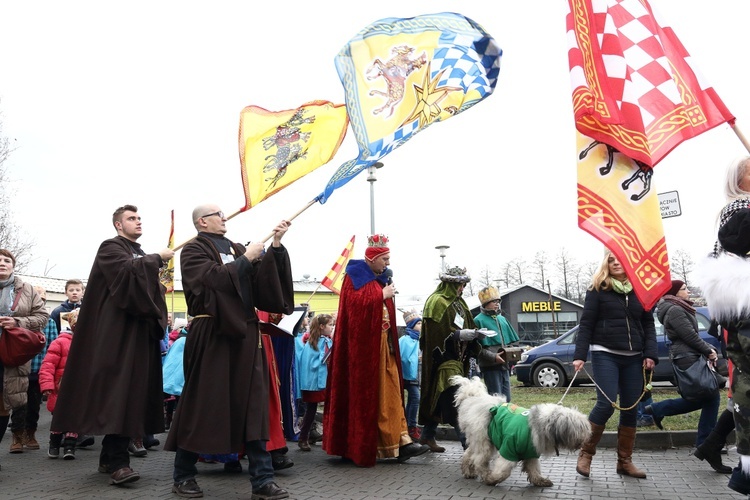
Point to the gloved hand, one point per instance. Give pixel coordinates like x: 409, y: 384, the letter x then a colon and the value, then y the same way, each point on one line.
x: 466, y: 335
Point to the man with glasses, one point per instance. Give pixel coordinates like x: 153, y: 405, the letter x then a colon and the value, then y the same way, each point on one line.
x: 224, y: 403
x: 113, y: 384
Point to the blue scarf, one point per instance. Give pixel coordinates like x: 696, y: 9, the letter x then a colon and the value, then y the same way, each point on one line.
x: 413, y: 333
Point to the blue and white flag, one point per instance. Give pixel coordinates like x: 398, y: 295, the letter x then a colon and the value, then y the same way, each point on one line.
x: 402, y: 75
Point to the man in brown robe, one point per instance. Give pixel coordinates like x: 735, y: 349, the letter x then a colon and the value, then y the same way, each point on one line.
x: 364, y: 409
x: 224, y: 402
x: 113, y: 384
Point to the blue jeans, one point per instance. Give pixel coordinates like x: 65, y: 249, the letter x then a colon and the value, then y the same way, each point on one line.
x: 412, y: 403
x: 260, y: 465
x: 616, y: 374
x: 709, y: 411
x: 497, y: 382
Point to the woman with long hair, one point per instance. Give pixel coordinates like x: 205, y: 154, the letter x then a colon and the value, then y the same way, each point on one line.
x: 620, y: 334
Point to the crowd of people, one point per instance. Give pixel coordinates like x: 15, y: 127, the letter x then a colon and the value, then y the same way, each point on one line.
x: 224, y: 388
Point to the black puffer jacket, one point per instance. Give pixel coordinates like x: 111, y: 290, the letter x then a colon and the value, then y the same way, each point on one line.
x: 606, y: 322
x: 681, y: 328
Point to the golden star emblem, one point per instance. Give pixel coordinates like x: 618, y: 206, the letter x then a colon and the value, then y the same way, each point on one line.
x: 427, y: 108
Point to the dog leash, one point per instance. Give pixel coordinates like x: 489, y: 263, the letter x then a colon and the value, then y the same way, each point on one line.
x: 646, y: 387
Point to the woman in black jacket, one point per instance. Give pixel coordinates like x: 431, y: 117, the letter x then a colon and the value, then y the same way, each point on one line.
x: 676, y: 313
x: 622, y: 339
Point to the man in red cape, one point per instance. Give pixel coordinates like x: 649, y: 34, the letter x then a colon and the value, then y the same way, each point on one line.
x: 364, y: 410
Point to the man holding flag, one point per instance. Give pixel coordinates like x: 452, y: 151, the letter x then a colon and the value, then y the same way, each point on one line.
x: 364, y: 412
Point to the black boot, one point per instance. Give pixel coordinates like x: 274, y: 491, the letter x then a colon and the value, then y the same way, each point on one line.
x: 710, y: 451
x: 54, y: 445
x: 739, y: 482
x: 69, y: 448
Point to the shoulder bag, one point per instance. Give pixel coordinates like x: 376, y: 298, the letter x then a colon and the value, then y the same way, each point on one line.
x: 18, y: 345
x: 697, y: 382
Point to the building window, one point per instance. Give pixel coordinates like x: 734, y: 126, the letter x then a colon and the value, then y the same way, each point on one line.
x: 539, y: 327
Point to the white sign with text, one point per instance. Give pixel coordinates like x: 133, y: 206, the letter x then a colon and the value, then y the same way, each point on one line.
x: 669, y: 204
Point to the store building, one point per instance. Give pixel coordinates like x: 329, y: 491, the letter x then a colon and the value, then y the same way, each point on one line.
x: 536, y: 315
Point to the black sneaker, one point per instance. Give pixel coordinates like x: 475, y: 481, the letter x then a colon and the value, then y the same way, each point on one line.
x: 150, y: 441
x: 69, y: 449
x: 84, y: 441
x: 54, y: 445
x: 187, y: 489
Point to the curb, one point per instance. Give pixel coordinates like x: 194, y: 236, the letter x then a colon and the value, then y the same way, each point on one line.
x: 644, y: 440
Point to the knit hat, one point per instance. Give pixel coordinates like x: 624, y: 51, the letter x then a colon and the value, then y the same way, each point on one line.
x: 72, y: 318
x: 455, y: 275
x: 487, y: 295
x: 728, y: 213
x: 377, y: 244
x: 411, y: 318
x: 676, y: 285
x: 734, y: 234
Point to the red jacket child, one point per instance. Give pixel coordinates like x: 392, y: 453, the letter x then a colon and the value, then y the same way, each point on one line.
x: 53, y: 365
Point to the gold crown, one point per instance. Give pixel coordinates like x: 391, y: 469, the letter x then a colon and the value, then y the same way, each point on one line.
x: 377, y: 240
x: 488, y: 295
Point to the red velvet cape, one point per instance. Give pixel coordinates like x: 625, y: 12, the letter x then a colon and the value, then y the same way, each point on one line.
x: 350, y: 421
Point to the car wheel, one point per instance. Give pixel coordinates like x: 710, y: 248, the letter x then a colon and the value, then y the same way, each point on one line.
x: 549, y: 375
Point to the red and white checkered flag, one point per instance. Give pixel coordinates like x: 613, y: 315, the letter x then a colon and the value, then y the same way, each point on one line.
x: 635, y: 87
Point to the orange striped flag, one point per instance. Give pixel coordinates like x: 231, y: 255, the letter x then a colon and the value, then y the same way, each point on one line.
x: 335, y: 276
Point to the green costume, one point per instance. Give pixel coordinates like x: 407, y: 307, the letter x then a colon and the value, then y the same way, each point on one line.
x: 510, y: 433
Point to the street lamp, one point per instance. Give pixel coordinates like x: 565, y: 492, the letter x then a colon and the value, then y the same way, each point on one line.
x: 442, y: 249
x: 371, y: 178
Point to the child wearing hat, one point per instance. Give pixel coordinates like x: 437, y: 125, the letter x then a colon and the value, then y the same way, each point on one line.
x: 409, y: 346
x: 50, y: 375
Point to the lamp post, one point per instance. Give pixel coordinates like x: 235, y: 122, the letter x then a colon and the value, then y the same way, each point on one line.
x: 442, y: 249
x: 371, y: 178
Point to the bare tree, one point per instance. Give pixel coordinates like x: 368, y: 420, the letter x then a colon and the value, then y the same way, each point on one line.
x: 11, y: 236
x: 485, y: 278
x: 566, y: 272
x: 681, y: 265
x: 518, y: 268
x: 539, y: 266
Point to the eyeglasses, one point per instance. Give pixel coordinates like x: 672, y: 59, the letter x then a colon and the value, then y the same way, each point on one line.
x: 219, y: 213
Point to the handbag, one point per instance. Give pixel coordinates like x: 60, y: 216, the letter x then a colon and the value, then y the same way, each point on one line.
x: 18, y: 345
x: 696, y: 382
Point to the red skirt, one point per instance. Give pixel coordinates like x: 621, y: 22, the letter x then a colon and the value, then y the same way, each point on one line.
x: 314, y: 396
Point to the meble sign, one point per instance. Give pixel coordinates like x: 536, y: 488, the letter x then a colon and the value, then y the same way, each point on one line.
x: 541, y: 306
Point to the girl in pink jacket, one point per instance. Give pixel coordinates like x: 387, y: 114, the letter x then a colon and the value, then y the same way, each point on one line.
x: 50, y: 376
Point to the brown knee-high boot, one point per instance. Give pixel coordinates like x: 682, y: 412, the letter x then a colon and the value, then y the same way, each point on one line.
x: 625, y: 443
x: 588, y: 450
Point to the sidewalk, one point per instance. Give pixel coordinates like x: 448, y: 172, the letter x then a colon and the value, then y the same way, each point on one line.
x: 672, y: 473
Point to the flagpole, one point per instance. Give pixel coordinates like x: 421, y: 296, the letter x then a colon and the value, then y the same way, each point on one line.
x: 741, y: 136
x: 314, y: 292
x: 309, y: 204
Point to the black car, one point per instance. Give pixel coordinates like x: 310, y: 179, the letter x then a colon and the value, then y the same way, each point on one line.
x: 551, y: 364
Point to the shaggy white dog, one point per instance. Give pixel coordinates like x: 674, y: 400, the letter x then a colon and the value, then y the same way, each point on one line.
x: 508, y: 434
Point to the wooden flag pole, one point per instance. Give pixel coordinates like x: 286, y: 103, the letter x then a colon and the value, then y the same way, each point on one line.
x: 741, y: 136
x: 308, y: 205
x: 314, y: 292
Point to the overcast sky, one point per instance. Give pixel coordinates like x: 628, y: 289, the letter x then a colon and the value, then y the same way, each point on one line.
x: 138, y: 102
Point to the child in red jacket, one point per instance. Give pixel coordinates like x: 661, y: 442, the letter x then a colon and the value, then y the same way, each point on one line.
x: 50, y: 375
